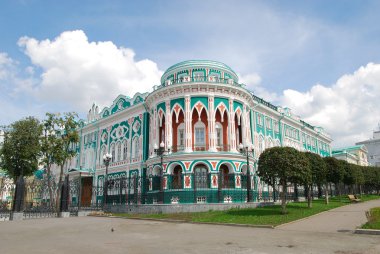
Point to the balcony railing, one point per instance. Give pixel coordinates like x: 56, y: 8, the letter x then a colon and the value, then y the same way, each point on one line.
x: 203, y: 79
x: 176, y: 149
x: 223, y: 148
x: 197, y: 148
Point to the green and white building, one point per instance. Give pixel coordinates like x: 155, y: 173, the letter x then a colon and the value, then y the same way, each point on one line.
x: 200, y: 114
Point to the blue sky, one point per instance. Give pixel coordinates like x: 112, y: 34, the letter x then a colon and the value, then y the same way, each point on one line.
x: 282, y: 50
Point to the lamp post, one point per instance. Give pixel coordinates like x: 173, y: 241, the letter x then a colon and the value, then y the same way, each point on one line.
x: 106, y: 160
x: 160, y: 151
x: 247, y: 151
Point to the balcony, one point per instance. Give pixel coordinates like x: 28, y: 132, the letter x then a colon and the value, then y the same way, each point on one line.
x: 198, y: 79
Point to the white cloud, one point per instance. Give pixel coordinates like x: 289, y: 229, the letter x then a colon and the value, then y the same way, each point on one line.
x: 349, y: 110
x: 77, y: 72
x: 253, y: 83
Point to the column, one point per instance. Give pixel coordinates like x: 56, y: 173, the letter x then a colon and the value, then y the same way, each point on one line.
x: 247, y: 120
x: 188, y: 130
x: 211, y: 124
x: 231, y: 126
x: 168, y: 126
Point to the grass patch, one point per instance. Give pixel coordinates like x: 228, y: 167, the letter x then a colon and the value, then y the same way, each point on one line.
x: 269, y: 215
x: 373, y: 219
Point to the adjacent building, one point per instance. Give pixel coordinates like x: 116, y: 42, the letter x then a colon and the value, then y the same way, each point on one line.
x: 373, y: 146
x: 357, y: 155
x: 199, y: 114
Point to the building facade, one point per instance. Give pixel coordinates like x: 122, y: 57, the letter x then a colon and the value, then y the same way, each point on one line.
x: 199, y: 114
x: 373, y: 146
x: 357, y: 155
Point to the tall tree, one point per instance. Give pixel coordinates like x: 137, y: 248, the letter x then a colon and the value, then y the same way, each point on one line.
x: 318, y: 173
x: 335, y: 172
x: 285, y: 164
x: 21, y: 148
x: 51, y: 146
x: 67, y: 138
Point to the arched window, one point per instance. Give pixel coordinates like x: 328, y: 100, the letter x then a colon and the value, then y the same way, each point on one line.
x: 181, y: 136
x: 125, y: 149
x: 136, y: 147
x: 113, y: 152
x: 201, y: 177
x: 225, y: 180
x: 261, y: 144
x: 219, y: 134
x: 177, y: 178
x: 102, y: 153
x: 237, y: 137
x: 118, y: 151
x: 199, y: 129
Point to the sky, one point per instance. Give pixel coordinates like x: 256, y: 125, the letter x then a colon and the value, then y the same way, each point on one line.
x: 319, y: 58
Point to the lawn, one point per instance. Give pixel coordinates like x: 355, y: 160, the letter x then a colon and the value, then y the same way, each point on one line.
x: 269, y: 215
x: 374, y: 219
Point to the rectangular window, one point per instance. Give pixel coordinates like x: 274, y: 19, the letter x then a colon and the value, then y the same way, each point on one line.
x: 199, y: 136
x: 276, y: 127
x: 268, y: 123
x: 181, y: 137
x: 219, y: 137
x: 259, y: 119
x: 125, y: 152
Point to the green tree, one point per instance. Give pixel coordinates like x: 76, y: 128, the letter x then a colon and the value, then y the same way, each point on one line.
x: 335, y: 172
x: 67, y: 138
x: 285, y: 164
x: 318, y: 174
x: 59, y: 137
x: 21, y: 148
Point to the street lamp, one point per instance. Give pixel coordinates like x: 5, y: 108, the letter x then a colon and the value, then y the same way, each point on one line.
x: 247, y: 151
x: 106, y: 160
x: 160, y: 151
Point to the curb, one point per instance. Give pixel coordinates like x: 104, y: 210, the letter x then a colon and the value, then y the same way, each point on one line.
x: 367, y: 231
x: 190, y: 222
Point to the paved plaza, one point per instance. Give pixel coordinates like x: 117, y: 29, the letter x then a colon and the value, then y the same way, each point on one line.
x: 113, y: 235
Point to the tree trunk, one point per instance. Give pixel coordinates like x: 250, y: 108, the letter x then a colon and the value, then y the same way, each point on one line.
x: 339, y: 191
x: 319, y: 191
x: 327, y: 195
x: 295, y: 192
x: 283, y: 198
x: 51, y: 194
x: 60, y: 182
x: 308, y: 189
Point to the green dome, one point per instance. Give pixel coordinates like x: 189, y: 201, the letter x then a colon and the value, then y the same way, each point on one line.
x: 196, y: 64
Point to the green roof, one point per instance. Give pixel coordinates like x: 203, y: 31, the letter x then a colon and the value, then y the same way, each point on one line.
x: 348, y: 148
x: 199, y: 63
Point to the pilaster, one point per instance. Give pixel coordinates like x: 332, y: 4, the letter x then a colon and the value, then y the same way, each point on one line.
x: 188, y: 130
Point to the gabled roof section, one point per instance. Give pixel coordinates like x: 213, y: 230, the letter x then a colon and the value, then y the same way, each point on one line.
x: 123, y: 102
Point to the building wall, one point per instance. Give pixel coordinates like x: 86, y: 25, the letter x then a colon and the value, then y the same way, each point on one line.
x: 373, y: 147
x: 184, y: 99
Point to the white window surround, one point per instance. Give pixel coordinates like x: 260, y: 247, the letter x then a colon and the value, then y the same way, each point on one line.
x: 113, y: 152
x: 136, y: 147
x: 180, y: 136
x: 118, y: 154
x: 219, y: 134
x: 199, y: 134
x: 125, y: 149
